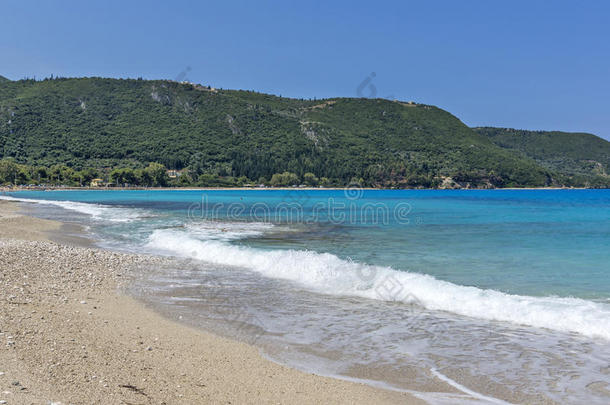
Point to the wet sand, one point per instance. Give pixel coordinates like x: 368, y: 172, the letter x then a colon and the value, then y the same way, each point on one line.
x: 67, y: 334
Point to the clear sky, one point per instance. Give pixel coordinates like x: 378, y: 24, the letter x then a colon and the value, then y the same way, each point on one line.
x: 523, y: 64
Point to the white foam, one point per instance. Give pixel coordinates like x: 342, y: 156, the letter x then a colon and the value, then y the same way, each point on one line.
x: 466, y: 390
x: 226, y: 231
x: 327, y: 273
x: 96, y: 211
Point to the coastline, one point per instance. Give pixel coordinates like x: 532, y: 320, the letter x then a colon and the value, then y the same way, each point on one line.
x: 71, y: 336
x: 88, y: 188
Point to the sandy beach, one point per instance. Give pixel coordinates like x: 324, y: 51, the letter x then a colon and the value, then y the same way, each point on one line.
x: 68, y: 335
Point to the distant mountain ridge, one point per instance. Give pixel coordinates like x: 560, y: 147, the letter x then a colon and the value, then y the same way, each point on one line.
x: 565, y: 152
x: 108, y: 123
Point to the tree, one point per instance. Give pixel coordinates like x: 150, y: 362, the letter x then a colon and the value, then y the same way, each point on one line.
x: 197, y: 164
x: 86, y: 175
x: 262, y: 180
x: 325, y: 182
x: 22, y: 177
x: 8, y: 171
x: 40, y: 173
x: 61, y: 174
x: 158, y: 174
x: 181, y: 181
x: 284, y: 179
x: 310, y: 179
x: 116, y: 176
x: 207, y: 180
x: 129, y: 176
x: 143, y: 178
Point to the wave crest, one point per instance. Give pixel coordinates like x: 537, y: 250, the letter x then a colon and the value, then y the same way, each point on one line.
x: 329, y: 274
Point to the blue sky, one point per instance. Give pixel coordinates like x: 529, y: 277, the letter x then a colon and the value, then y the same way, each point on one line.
x: 523, y: 64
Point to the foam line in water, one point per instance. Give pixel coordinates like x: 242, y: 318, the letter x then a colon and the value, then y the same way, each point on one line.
x: 468, y: 391
x: 327, y: 273
x: 430, y: 397
x: 96, y: 211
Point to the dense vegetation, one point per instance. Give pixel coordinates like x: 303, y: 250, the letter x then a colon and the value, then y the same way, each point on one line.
x: 64, y: 131
x: 578, y: 155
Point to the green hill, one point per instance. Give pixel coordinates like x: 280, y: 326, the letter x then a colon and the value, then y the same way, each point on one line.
x: 225, y: 135
x: 3, y: 79
x: 571, y: 154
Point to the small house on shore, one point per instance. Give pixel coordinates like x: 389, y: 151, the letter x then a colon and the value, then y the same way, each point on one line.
x: 97, y: 182
x: 172, y: 174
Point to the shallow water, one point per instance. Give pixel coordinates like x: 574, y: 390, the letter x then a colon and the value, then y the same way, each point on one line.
x: 506, y: 293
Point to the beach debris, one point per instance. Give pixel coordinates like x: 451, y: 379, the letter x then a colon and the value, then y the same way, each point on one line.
x: 133, y: 388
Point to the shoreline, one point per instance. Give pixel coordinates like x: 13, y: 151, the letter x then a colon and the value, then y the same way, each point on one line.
x: 87, y: 188
x: 72, y: 336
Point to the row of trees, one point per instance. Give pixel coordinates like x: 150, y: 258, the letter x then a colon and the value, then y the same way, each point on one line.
x: 291, y: 179
x: 14, y: 173
x: 154, y: 175
x: 18, y: 174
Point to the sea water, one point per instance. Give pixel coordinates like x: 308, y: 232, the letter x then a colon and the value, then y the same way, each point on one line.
x: 502, y: 292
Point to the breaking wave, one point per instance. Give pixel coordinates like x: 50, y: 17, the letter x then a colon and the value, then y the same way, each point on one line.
x: 329, y: 274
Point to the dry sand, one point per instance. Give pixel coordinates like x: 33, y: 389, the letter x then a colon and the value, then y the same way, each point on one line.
x: 67, y: 335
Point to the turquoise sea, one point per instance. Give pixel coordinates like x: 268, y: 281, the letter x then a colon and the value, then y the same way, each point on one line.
x: 507, y: 291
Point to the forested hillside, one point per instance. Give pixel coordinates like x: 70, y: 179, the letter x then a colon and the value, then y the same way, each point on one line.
x: 225, y: 137
x: 577, y: 154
